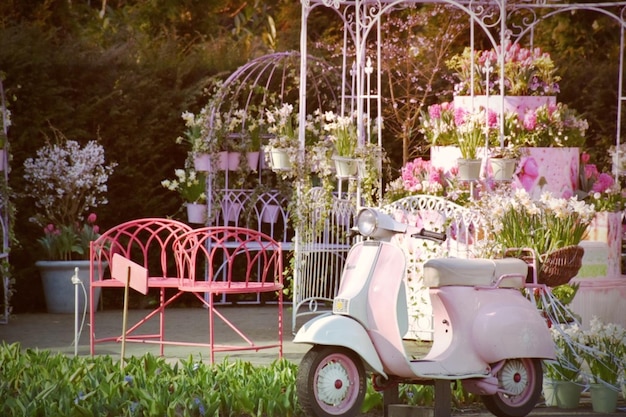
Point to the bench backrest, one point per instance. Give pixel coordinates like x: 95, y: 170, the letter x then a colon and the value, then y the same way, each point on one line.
x: 147, y: 242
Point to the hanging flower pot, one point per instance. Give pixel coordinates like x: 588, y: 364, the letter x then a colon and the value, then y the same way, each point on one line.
x: 202, y: 162
x: 503, y: 169
x: 279, y: 159
x: 469, y: 169
x: 196, y: 213
x: 270, y: 213
x: 346, y: 167
x: 253, y: 160
x: 233, y: 160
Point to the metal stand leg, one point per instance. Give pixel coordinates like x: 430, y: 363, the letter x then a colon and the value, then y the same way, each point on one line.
x: 390, y: 396
x: 443, y: 398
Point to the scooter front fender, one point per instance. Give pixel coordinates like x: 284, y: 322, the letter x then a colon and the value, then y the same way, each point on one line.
x: 334, y: 330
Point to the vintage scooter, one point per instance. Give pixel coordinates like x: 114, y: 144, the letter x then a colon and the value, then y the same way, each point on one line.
x: 487, y: 334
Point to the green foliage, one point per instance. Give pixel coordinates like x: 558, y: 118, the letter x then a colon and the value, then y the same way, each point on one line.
x: 39, y: 383
x: 123, y: 76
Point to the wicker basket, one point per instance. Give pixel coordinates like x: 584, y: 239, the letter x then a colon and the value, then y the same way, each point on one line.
x: 557, y: 267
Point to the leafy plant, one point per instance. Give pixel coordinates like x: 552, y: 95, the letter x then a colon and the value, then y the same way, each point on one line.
x: 191, y: 185
x: 544, y: 225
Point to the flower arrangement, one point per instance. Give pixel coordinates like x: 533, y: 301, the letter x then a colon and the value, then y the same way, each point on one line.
x: 342, y: 133
x: 599, y: 189
x: 437, y: 124
x: 472, y: 129
x: 444, y: 124
x: 526, y: 71
x: 550, y: 125
x: 67, y: 180
x: 605, y: 350
x: 544, y: 225
x: 282, y: 124
x: 69, y: 242
x: 421, y: 177
x: 567, y: 366
x: 196, y: 132
x: 191, y: 185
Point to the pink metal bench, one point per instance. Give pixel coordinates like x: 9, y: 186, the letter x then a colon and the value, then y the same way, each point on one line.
x: 147, y: 242
x: 230, y: 260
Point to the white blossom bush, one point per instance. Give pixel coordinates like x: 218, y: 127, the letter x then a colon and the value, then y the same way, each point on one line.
x: 66, y: 181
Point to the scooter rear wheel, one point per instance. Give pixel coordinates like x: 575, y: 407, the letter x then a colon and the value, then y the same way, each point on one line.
x: 331, y: 382
x: 522, y: 379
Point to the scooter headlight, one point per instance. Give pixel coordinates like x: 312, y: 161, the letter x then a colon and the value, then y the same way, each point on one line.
x: 366, y: 222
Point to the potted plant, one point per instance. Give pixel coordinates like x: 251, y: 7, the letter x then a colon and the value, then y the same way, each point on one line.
x: 604, y: 353
x: 195, y: 137
x: 191, y: 186
x: 68, y: 180
x: 343, y: 135
x: 563, y: 374
x: 527, y: 72
x: 550, y: 227
x: 473, y: 131
x: 283, y: 146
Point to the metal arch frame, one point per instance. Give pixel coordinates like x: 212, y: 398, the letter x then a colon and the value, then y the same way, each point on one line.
x: 362, y: 17
x: 362, y: 21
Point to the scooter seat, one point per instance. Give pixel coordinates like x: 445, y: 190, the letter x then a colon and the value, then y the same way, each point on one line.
x: 475, y: 272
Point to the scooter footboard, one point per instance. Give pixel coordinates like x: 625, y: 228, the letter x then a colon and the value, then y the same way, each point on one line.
x: 333, y: 330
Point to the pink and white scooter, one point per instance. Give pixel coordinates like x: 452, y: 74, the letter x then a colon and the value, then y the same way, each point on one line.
x: 487, y: 334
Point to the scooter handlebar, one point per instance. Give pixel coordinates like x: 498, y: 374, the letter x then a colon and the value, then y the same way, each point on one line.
x: 430, y: 235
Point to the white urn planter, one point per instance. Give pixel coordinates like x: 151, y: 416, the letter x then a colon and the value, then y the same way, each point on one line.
x: 59, y: 291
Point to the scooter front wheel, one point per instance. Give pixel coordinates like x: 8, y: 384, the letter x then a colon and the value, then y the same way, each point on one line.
x: 331, y: 382
x: 520, y: 381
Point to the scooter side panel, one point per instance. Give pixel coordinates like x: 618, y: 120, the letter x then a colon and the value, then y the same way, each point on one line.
x: 333, y: 330
x: 388, y: 310
x: 509, y: 326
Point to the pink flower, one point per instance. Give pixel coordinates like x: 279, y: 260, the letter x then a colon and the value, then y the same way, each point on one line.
x: 434, y: 111
x: 49, y: 229
x: 91, y: 219
x: 530, y: 120
x: 585, y: 158
x: 603, y: 183
x: 96, y: 229
x: 459, y: 116
x: 591, y: 171
x: 492, y: 119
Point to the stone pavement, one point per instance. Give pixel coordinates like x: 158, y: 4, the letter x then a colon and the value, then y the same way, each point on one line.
x: 55, y: 332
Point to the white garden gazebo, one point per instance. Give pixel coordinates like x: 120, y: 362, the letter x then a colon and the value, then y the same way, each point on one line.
x: 361, y: 20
